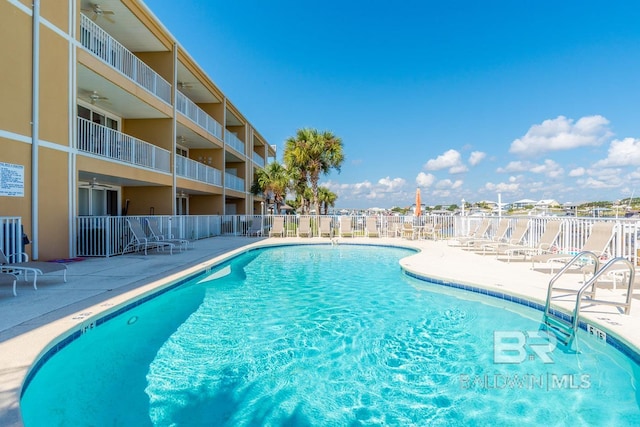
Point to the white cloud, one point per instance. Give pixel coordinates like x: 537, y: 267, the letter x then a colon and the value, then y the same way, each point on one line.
x: 624, y: 152
x: 515, y: 166
x: 577, y: 172
x: 391, y: 185
x: 425, y: 179
x: 447, y: 183
x: 562, y: 133
x: 502, y: 187
x: 476, y: 157
x: 548, y: 168
x: 458, y: 169
x: 448, y: 159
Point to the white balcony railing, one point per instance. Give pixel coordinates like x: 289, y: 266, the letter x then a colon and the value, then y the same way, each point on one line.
x: 105, y: 142
x: 101, y: 44
x: 191, y: 169
x: 233, y: 182
x: 233, y: 141
x: 188, y: 108
x: 258, y: 160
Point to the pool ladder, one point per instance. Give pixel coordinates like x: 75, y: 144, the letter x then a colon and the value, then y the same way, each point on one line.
x: 565, y: 327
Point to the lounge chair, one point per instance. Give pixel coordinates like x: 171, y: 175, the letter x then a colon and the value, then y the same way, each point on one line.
x: 138, y: 240
x: 345, y: 226
x: 515, y: 241
x: 545, y: 243
x: 597, y: 243
x: 498, y: 237
x: 9, y: 278
x: 277, y: 228
x: 408, y: 231
x: 24, y: 267
x: 481, y: 232
x: 432, y: 231
x: 157, y: 235
x: 325, y: 227
x: 371, y: 227
x: 255, y: 229
x: 304, y: 226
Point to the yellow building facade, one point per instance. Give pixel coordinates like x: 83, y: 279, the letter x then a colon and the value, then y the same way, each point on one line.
x: 103, y: 113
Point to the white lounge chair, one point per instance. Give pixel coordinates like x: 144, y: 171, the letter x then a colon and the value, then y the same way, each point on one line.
x: 346, y: 230
x: 277, y: 229
x: 325, y: 227
x: 255, y: 229
x: 157, y: 235
x: 9, y: 278
x: 597, y: 243
x: 371, y: 227
x: 139, y: 240
x: 304, y: 226
x: 545, y: 243
x: 514, y: 241
x: 25, y: 266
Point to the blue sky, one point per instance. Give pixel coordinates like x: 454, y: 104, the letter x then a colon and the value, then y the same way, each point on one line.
x: 463, y: 99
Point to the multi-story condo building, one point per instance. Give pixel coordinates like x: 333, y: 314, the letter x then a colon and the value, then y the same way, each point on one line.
x: 103, y: 113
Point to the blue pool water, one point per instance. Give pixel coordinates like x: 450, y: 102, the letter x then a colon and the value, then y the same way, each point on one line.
x: 323, y: 336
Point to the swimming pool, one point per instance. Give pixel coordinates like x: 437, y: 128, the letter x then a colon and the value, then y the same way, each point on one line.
x: 323, y: 335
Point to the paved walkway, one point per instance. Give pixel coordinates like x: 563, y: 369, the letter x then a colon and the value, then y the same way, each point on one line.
x: 35, y: 317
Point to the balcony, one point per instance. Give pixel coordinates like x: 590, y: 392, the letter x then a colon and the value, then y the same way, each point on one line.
x: 197, y: 171
x: 232, y: 182
x: 188, y: 108
x: 100, y: 43
x: 233, y: 141
x: 108, y: 143
x: 258, y: 160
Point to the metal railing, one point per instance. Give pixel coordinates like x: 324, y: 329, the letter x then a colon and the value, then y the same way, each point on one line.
x: 188, y: 168
x: 233, y: 182
x: 105, y: 142
x: 258, y: 160
x: 196, y: 114
x: 233, y: 141
x: 11, y: 241
x: 100, y: 43
x: 104, y: 236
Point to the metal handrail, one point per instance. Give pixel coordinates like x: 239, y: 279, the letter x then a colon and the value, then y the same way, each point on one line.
x: 569, y: 264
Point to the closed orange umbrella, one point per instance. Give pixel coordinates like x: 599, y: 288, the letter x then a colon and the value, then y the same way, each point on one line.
x: 418, y: 203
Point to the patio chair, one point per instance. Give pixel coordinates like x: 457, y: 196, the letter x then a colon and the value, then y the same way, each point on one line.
x: 157, y: 235
x: 499, y: 236
x: 25, y: 267
x: 514, y: 241
x: 138, y: 240
x: 545, y: 244
x: 304, y: 226
x: 480, y: 232
x: 325, y: 227
x: 346, y: 230
x: 9, y: 278
x: 598, y: 243
x: 277, y: 229
x: 371, y: 227
x: 255, y: 229
x: 408, y: 232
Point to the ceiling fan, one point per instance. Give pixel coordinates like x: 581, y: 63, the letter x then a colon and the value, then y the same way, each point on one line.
x: 93, y: 184
x: 98, y: 11
x: 185, y: 85
x: 94, y: 97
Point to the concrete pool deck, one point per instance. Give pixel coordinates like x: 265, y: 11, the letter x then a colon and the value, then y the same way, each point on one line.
x: 30, y: 321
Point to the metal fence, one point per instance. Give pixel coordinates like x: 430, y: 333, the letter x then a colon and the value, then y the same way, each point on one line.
x: 11, y: 240
x: 108, y: 236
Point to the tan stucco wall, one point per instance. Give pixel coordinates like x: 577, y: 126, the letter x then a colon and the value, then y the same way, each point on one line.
x: 54, y: 13
x: 17, y: 153
x: 142, y: 199
x: 53, y: 209
x: 206, y: 205
x: 54, y: 88
x: 161, y: 62
x: 154, y: 131
x: 15, y: 80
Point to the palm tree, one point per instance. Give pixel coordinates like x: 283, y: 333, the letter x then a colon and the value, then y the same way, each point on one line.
x: 312, y: 153
x: 327, y: 198
x: 274, y: 180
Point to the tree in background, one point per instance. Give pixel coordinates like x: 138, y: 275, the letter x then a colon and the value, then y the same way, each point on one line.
x: 272, y: 180
x: 313, y: 153
x: 327, y: 199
